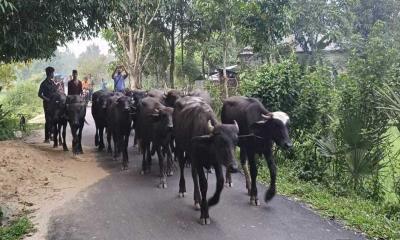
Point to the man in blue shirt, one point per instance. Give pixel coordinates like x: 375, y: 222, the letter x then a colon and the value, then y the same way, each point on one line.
x: 119, y: 78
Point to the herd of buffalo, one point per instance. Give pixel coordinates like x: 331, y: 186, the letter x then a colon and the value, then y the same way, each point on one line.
x: 179, y: 127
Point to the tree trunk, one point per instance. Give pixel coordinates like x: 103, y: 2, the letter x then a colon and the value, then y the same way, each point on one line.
x: 172, y: 53
x: 203, y: 62
x: 225, y: 75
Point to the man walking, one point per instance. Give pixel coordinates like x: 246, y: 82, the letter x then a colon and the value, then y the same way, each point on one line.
x: 119, y: 79
x: 47, y: 87
x: 74, y: 85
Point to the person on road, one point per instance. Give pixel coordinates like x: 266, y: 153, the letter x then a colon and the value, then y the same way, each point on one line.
x: 91, y: 86
x: 103, y: 84
x: 86, y: 88
x: 47, y: 87
x: 74, y: 85
x: 119, y: 78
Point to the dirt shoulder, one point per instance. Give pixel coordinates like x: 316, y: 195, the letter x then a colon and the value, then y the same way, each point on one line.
x: 36, y: 178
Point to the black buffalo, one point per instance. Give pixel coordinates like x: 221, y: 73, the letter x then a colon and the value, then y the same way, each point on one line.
x: 135, y: 97
x: 99, y: 113
x: 207, y: 144
x: 258, y: 129
x: 57, y: 112
x: 157, y: 94
x: 112, y: 98
x: 119, y: 125
x: 76, y: 111
x: 154, y: 127
x: 172, y: 97
x: 202, y: 94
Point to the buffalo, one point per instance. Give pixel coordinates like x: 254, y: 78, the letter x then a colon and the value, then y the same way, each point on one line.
x: 258, y: 130
x: 99, y: 112
x: 57, y: 112
x: 119, y: 125
x: 207, y: 144
x: 154, y: 127
x: 112, y: 98
x: 76, y: 111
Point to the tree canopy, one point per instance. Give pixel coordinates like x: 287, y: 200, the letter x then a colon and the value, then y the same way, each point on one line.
x: 34, y: 29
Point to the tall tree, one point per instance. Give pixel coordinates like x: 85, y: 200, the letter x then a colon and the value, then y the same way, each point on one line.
x: 93, y: 62
x: 368, y: 12
x: 317, y: 24
x: 34, y: 29
x: 131, y: 23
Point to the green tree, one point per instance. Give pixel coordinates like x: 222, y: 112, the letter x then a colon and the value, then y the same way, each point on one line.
x: 131, y: 27
x: 34, y: 29
x: 93, y: 62
x: 317, y: 24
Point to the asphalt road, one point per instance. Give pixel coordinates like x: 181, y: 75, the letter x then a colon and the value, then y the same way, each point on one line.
x: 127, y: 205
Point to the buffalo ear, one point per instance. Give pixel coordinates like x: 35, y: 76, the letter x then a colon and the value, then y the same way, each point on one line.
x: 204, y: 140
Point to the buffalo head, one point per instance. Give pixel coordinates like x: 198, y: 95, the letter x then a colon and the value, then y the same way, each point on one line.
x: 274, y: 126
x: 220, y: 141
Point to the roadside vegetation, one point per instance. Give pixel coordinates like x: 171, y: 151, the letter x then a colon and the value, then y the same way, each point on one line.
x: 16, y: 229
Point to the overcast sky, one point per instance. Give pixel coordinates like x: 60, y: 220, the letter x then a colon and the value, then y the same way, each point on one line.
x: 78, y: 46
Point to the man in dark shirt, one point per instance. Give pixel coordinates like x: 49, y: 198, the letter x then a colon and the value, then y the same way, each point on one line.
x: 74, y: 85
x: 47, y: 87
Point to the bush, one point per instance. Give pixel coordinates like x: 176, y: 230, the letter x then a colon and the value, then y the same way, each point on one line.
x: 23, y: 99
x: 16, y: 230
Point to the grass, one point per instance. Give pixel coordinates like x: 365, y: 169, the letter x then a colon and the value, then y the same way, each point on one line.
x: 16, y: 230
x: 363, y: 215
x: 392, y: 166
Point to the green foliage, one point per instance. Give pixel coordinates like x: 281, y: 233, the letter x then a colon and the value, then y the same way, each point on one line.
x: 287, y: 87
x: 7, y: 74
x: 23, y: 99
x: 16, y: 230
x: 368, y: 12
x: 319, y: 23
x: 376, y: 220
x: 216, y: 97
x: 190, y: 69
x: 29, y: 31
x: 94, y: 63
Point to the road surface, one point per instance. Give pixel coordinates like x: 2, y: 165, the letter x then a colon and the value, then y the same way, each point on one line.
x: 126, y: 205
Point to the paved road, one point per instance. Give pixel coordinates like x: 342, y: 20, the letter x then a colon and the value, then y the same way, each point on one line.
x: 127, y: 205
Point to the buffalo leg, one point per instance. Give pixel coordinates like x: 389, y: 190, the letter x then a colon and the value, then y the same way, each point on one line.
x: 196, y: 189
x: 59, y: 134
x: 55, y: 133
x: 220, y: 185
x: 253, y: 175
x: 80, y: 150
x: 74, y: 138
x: 228, y: 177
x: 145, y: 146
x: 125, y: 152
x: 245, y: 167
x: 204, y: 217
x: 272, y: 172
x: 101, y: 140
x: 64, y: 132
x: 148, y: 158
x: 116, y: 148
x: 163, y: 175
x: 182, y: 184
x: 96, y: 136
x: 109, y: 149
x: 170, y: 162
